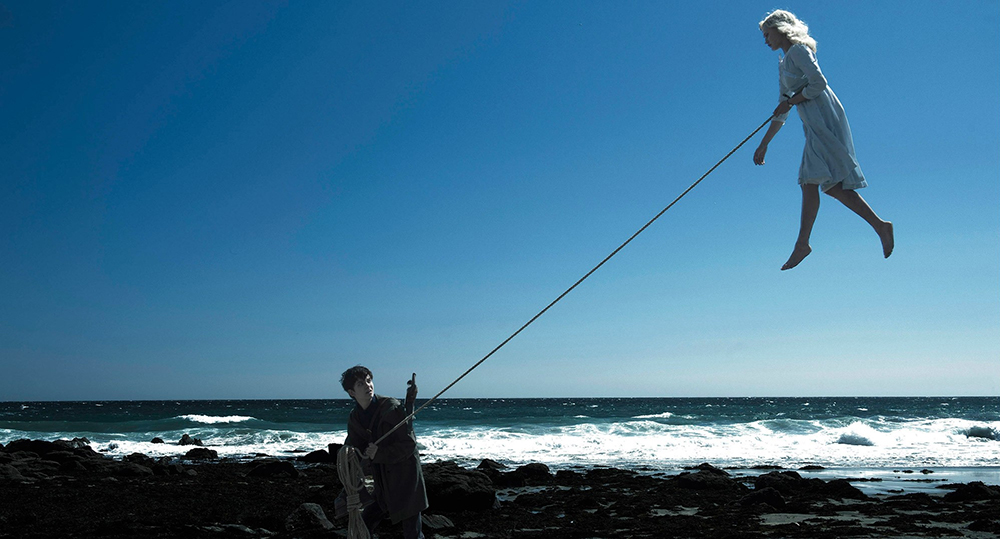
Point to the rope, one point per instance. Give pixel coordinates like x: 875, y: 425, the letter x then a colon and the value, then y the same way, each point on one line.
x: 570, y: 289
x: 353, y: 478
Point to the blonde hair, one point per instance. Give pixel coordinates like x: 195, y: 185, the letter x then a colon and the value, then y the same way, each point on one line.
x: 787, y: 23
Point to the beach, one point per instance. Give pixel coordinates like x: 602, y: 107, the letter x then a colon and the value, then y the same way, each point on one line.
x: 567, y: 467
x: 66, y: 489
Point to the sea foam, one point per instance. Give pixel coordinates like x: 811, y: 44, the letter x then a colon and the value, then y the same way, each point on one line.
x: 211, y: 419
x: 630, y: 433
x: 664, y: 415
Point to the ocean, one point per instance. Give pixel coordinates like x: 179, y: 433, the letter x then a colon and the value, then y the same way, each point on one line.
x: 643, y: 434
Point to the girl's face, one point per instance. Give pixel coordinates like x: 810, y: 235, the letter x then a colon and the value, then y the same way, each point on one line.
x: 775, y: 39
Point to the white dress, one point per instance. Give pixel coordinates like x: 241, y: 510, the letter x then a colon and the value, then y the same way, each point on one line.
x: 828, y: 157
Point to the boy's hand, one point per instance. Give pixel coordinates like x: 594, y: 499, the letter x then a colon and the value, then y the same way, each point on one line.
x: 370, y: 452
x: 411, y: 390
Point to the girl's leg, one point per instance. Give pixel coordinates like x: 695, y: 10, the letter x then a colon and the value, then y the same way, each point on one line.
x: 810, y: 207
x: 855, y: 203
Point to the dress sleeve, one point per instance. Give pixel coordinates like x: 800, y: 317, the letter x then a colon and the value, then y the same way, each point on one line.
x: 781, y: 97
x: 805, y: 59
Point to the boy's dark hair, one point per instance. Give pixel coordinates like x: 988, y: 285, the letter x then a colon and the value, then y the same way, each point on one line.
x: 351, y: 376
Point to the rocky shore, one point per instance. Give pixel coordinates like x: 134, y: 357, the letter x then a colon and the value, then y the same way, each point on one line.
x: 66, y: 489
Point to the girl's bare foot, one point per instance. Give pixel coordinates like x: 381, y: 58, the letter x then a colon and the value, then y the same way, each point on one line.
x: 885, y: 234
x: 800, y: 252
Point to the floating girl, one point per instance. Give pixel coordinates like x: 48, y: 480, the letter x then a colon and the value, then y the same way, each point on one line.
x: 828, y: 160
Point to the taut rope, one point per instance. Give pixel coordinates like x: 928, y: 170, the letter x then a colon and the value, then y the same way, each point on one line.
x: 348, y: 466
x: 570, y: 289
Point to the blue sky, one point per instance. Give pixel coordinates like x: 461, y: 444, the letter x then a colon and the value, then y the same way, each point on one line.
x: 240, y: 200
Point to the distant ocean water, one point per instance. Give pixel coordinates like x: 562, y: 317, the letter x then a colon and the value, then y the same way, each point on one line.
x: 635, y: 433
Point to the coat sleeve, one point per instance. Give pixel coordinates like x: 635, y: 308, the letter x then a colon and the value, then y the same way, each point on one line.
x: 805, y: 59
x: 354, y: 437
x: 401, y: 444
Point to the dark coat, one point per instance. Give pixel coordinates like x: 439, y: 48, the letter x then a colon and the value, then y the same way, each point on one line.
x: 399, y: 481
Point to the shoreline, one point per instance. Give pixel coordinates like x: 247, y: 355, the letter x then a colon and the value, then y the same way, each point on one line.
x: 870, y: 480
x: 65, y: 489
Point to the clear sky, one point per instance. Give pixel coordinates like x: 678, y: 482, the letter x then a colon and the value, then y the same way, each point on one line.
x: 242, y: 199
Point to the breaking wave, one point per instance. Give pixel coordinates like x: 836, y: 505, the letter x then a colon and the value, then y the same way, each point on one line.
x: 212, y: 420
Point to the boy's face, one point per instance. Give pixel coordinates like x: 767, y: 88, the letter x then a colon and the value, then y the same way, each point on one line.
x: 363, y: 391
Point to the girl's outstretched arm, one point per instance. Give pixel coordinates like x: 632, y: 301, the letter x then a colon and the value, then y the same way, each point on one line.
x: 758, y: 156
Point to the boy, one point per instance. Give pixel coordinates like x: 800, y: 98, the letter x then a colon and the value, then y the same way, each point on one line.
x: 395, y: 462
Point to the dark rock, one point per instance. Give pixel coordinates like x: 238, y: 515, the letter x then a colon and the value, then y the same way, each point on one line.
x: 761, y: 467
x: 610, y: 476
x: 913, y: 500
x: 811, y: 468
x: 318, y: 456
x: 168, y: 469
x: 489, y: 464
x: 505, y: 480
x: 36, y: 467
x: 534, y: 473
x: 75, y: 443
x: 985, y: 525
x: 128, y: 469
x: 140, y: 458
x: 69, y: 461
x: 38, y: 447
x: 530, y: 474
x: 714, y: 479
x: 156, y: 440
x: 273, y: 468
x: 451, y: 488
x: 767, y: 495
x: 791, y: 483
x: 973, y: 491
x: 78, y: 446
x: 309, y: 516
x: 986, y: 433
x: 783, y: 482
x: 72, y: 467
x: 436, y: 522
x: 569, y: 478
x: 62, y: 456
x: 706, y: 467
x: 200, y: 453
x: 10, y: 473
x: 231, y: 530
x: 328, y: 495
x: 334, y: 449
x: 188, y: 440
x: 840, y: 489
